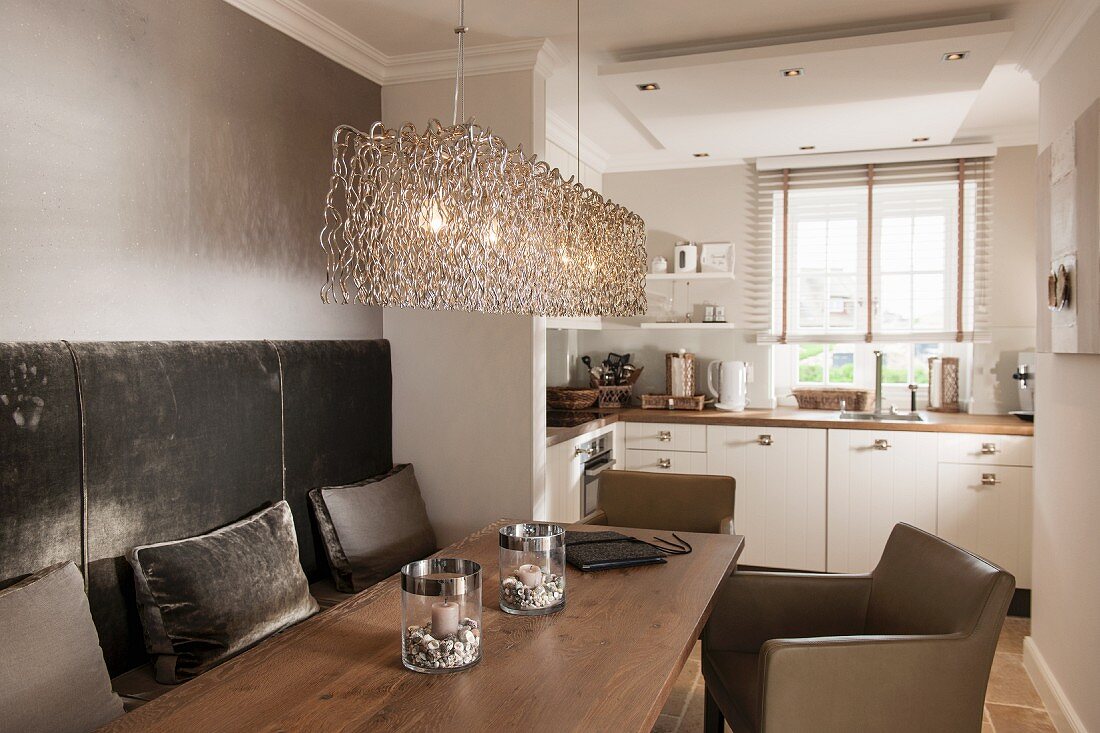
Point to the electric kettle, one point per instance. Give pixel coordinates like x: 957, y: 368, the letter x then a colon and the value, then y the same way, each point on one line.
x: 732, y: 387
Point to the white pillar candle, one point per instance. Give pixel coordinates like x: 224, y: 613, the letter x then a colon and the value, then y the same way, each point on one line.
x: 529, y: 575
x: 444, y: 619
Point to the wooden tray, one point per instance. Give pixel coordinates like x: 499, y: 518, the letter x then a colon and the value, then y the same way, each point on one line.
x: 668, y: 402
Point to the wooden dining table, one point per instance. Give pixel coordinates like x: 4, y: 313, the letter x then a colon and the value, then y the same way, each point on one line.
x: 607, y: 661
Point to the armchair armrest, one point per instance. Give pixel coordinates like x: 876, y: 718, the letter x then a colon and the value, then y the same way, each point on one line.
x: 596, y: 517
x: 752, y: 608
x: 873, y: 683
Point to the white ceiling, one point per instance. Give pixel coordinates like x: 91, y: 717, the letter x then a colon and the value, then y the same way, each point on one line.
x: 893, y: 98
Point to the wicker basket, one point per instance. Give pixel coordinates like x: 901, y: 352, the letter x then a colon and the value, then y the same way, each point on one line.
x: 668, y: 402
x: 828, y: 398
x: 617, y: 395
x: 571, y: 398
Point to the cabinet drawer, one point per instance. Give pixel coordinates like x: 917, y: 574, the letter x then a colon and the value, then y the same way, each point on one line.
x: 665, y: 461
x: 666, y: 437
x: 993, y: 450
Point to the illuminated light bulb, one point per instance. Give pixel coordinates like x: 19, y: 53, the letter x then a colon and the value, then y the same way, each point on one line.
x: 494, y: 233
x: 433, y: 218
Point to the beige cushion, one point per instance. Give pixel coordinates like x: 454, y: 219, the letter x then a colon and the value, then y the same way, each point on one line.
x: 52, y: 675
x: 373, y: 527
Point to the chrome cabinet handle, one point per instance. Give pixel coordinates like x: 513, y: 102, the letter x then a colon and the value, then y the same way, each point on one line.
x: 765, y: 440
x: 664, y: 463
x: 586, y: 452
x: 664, y: 436
x: 989, y: 449
x: 881, y: 444
x: 989, y: 479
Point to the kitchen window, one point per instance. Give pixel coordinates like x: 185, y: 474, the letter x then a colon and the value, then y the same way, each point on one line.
x: 846, y: 365
x: 889, y: 253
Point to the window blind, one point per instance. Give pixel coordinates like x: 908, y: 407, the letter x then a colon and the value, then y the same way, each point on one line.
x: 877, y: 252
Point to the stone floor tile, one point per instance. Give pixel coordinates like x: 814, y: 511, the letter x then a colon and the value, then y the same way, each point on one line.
x: 1015, y: 719
x: 1012, y: 635
x: 666, y: 724
x: 1009, y: 683
x: 681, y: 688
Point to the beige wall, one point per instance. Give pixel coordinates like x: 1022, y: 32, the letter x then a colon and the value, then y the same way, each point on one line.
x: 163, y: 168
x: 1012, y: 291
x: 469, y: 388
x: 700, y: 204
x: 1066, y: 566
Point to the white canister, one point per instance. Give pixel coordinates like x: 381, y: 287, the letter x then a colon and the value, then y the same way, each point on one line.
x: 658, y: 265
x: 687, y: 257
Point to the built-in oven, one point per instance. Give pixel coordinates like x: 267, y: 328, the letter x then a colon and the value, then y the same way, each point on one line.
x: 598, y: 457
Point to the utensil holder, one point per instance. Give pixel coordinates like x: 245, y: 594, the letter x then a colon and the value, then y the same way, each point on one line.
x: 532, y: 569
x: 440, y: 615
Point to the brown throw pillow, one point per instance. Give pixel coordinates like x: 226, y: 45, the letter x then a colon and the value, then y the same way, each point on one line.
x: 207, y: 598
x: 52, y: 675
x: 372, y: 528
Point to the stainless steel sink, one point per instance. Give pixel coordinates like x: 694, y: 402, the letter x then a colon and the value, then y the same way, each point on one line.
x: 882, y: 417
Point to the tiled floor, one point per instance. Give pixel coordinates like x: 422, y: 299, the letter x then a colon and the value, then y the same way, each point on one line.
x: 1011, y: 703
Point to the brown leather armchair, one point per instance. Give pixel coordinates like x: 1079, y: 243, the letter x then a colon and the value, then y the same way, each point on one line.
x: 907, y: 648
x: 669, y: 501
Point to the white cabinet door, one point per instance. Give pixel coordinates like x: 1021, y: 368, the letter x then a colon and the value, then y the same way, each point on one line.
x: 561, y: 499
x: 780, y: 499
x: 987, y: 510
x: 877, y: 479
x: 665, y: 461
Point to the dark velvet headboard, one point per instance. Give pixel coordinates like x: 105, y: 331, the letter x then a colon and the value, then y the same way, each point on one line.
x: 108, y: 445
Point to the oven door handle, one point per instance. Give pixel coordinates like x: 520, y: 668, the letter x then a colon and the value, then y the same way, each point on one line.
x: 599, y: 469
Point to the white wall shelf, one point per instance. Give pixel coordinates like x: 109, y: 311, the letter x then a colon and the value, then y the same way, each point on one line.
x: 689, y: 276
x: 681, y: 326
x: 595, y: 323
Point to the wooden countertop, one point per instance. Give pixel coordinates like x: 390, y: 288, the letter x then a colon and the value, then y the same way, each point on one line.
x: 790, y: 417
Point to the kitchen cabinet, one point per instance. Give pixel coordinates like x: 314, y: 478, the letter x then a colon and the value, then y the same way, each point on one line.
x: 780, y: 500
x: 666, y: 437
x: 987, y: 510
x: 665, y: 461
x: 988, y: 450
x: 877, y: 479
x: 560, y: 500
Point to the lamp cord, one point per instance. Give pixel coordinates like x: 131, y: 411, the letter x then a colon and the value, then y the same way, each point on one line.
x: 460, y: 76
x: 578, y: 91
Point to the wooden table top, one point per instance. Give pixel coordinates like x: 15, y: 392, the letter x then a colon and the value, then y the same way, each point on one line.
x: 605, y: 662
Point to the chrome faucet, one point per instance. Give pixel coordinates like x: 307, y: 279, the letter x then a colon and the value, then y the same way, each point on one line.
x: 878, y: 382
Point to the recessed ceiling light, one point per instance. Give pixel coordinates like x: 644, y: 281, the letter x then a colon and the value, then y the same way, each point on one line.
x: 792, y: 72
x: 920, y: 139
x: 955, y: 55
x: 701, y: 155
x: 649, y: 86
x: 808, y: 147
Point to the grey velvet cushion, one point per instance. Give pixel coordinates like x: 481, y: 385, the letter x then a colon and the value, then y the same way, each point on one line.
x: 206, y: 598
x: 372, y: 528
x: 52, y: 675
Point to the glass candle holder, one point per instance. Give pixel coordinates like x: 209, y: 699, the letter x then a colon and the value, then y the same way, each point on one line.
x: 532, y: 569
x: 440, y: 615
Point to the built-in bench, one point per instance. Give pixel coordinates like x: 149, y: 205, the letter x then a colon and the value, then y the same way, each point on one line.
x: 108, y: 445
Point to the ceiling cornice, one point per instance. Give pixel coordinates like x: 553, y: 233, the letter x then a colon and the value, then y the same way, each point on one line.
x: 307, y: 26
x: 563, y: 133
x: 314, y: 30
x: 1061, y: 26
x: 535, y: 54
x: 664, y: 160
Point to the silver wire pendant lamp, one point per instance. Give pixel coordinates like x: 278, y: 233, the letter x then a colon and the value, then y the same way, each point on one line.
x: 452, y: 219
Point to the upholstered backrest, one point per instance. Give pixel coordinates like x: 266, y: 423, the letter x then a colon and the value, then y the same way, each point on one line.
x: 926, y: 585
x: 40, y: 492
x: 175, y: 439
x: 669, y: 501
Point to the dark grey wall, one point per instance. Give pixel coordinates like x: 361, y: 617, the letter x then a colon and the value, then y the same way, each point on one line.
x: 163, y: 167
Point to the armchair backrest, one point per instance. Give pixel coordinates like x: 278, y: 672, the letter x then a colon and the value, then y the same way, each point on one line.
x: 668, y: 501
x: 926, y: 585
